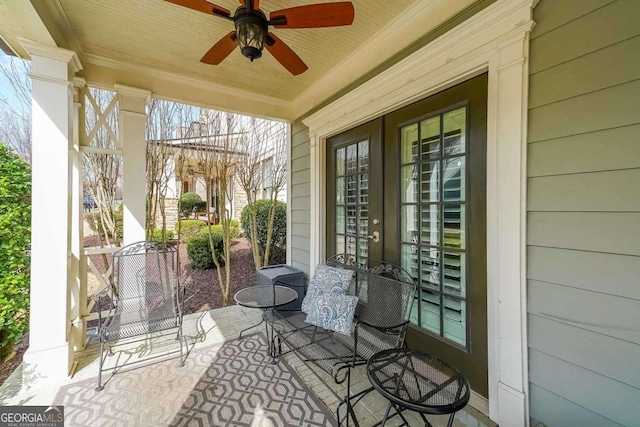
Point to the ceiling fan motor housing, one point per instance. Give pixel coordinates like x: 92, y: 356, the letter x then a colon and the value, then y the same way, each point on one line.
x: 251, y: 28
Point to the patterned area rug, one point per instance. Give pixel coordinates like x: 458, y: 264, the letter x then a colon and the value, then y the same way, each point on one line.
x: 232, y: 384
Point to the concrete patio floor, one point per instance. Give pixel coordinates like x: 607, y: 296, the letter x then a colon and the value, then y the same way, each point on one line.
x: 207, y: 329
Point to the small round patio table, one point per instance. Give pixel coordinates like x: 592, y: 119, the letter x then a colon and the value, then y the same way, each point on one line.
x: 418, y: 382
x: 264, y: 297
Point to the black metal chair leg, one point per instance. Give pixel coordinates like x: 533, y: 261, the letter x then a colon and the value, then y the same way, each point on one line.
x: 100, y: 387
x: 386, y: 415
x: 182, y: 358
x: 451, y: 417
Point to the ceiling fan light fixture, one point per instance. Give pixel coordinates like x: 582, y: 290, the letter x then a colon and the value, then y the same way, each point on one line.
x: 251, y: 30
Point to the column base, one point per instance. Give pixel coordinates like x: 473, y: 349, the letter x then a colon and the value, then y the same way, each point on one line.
x: 47, y: 366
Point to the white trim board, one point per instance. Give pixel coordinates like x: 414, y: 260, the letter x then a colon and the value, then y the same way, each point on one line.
x: 496, y: 41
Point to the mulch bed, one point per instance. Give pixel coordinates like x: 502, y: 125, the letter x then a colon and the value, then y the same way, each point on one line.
x: 202, y: 289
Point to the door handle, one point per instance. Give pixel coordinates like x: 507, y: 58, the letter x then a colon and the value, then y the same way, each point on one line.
x: 375, y: 237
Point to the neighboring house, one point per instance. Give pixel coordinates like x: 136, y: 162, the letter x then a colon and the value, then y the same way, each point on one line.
x: 189, y: 177
x: 489, y: 147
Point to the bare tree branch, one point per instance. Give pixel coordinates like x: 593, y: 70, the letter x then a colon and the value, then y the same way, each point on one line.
x: 15, y: 109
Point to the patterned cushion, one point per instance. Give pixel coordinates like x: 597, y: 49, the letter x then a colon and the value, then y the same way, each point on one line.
x: 326, y: 279
x: 333, y: 311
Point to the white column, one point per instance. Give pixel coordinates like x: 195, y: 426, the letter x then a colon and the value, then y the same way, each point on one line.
x: 133, y: 120
x: 50, y: 353
x: 506, y: 228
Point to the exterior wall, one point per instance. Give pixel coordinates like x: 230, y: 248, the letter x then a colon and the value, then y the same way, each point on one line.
x: 584, y: 213
x: 171, y: 213
x: 239, y: 200
x: 300, y: 197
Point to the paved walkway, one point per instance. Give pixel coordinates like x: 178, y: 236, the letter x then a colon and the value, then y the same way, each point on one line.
x: 211, y: 328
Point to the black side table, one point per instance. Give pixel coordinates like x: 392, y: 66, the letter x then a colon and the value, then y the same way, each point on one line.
x: 419, y: 382
x: 264, y: 297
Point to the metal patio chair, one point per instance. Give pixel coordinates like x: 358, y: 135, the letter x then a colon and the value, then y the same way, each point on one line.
x: 145, y: 297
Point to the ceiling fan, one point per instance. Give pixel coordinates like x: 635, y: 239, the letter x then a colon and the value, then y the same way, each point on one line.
x: 252, y: 34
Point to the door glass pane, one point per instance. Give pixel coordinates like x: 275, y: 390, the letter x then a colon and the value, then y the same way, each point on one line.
x: 430, y: 182
x: 430, y: 137
x: 430, y: 268
x: 455, y: 272
x: 340, y: 244
x: 351, y: 190
x: 409, y: 223
x: 340, y: 157
x: 410, y: 259
x: 409, y: 144
x: 430, y: 224
x: 454, y: 226
x: 352, y: 200
x: 363, y: 220
x: 351, y: 220
x: 453, y: 179
x: 430, y: 311
x: 340, y: 191
x: 363, y: 248
x: 454, y: 123
x: 363, y: 156
x: 409, y: 184
x: 439, y: 205
x: 352, y: 159
x: 351, y: 245
x: 363, y: 188
x: 340, y: 224
x: 413, y: 316
x: 455, y: 314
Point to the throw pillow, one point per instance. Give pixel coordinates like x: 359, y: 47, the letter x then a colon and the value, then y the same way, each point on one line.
x: 333, y: 311
x: 326, y: 279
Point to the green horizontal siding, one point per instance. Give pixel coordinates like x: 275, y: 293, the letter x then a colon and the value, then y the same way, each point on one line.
x: 583, y: 221
x: 300, y: 201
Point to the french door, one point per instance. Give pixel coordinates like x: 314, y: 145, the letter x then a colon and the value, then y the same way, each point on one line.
x: 354, y: 192
x: 410, y: 188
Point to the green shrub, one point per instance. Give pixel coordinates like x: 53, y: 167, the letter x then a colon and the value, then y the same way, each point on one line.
x: 198, y: 248
x: 189, y: 228
x: 15, y: 239
x: 279, y: 237
x: 189, y: 201
x: 94, y: 220
x: 156, y: 236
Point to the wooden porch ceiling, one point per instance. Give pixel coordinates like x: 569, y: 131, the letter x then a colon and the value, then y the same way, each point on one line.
x: 156, y: 45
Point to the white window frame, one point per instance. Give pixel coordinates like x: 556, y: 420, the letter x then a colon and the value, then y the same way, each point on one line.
x: 496, y: 41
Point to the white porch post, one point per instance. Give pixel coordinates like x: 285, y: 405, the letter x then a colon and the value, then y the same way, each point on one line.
x: 133, y: 120
x: 50, y: 352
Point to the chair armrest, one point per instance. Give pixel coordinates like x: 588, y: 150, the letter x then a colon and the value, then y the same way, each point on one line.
x: 381, y: 328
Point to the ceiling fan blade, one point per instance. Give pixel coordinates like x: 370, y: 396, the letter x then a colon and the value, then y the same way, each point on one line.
x: 315, y: 15
x: 251, y: 4
x: 285, y: 55
x: 221, y: 50
x: 202, y: 6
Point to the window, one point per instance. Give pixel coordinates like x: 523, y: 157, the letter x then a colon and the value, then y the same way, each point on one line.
x: 433, y: 221
x: 352, y: 201
x: 267, y: 178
